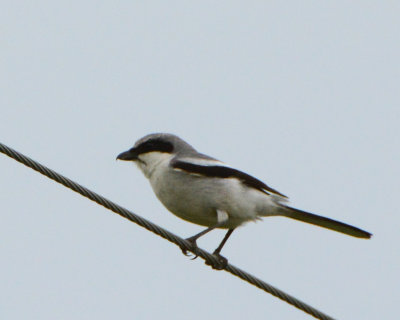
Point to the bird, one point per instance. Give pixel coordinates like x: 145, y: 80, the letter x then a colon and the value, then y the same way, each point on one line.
x: 205, y: 191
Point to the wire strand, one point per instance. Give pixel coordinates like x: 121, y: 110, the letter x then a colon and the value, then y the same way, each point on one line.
x: 182, y: 243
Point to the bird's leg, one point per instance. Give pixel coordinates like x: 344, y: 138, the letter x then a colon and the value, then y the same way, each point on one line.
x: 222, y: 261
x: 193, y: 239
x: 227, y: 235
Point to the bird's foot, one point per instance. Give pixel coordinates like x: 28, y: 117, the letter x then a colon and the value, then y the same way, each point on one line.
x: 193, y: 248
x: 221, y: 263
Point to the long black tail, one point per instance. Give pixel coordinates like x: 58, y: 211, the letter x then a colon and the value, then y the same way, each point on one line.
x: 324, y: 222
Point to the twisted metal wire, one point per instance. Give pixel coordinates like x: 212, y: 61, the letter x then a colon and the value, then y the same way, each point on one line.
x: 182, y: 243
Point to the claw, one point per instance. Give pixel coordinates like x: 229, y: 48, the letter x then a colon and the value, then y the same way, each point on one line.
x: 221, y: 264
x: 194, y: 247
x: 185, y: 252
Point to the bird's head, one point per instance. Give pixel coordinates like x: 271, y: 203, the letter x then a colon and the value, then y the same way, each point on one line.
x: 149, y: 151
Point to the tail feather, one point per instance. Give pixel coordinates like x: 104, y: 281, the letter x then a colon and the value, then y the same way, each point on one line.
x: 324, y: 222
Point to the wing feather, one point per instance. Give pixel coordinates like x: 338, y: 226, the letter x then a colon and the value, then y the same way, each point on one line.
x: 220, y: 171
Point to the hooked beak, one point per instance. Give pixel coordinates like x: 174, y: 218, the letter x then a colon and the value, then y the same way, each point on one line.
x: 130, y: 155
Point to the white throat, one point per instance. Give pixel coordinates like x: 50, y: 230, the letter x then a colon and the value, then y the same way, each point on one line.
x: 149, y: 162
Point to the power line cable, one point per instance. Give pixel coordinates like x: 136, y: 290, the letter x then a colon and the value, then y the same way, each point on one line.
x: 182, y: 243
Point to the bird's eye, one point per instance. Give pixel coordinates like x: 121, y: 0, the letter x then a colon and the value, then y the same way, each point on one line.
x: 155, y: 145
x: 150, y: 145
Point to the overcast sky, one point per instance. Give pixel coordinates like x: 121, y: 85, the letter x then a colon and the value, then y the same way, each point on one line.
x: 303, y: 95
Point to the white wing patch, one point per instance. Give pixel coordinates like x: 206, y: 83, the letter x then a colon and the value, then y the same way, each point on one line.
x: 204, y: 162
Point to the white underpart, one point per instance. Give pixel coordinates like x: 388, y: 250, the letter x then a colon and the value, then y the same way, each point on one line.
x: 222, y: 216
x: 205, y: 201
x: 148, y: 162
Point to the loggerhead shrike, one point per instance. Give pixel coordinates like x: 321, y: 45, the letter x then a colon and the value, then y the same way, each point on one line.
x: 205, y: 191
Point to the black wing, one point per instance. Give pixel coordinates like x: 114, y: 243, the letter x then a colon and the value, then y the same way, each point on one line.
x: 225, y: 172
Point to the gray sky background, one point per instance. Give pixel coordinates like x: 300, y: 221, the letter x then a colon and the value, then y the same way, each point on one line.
x: 303, y: 95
